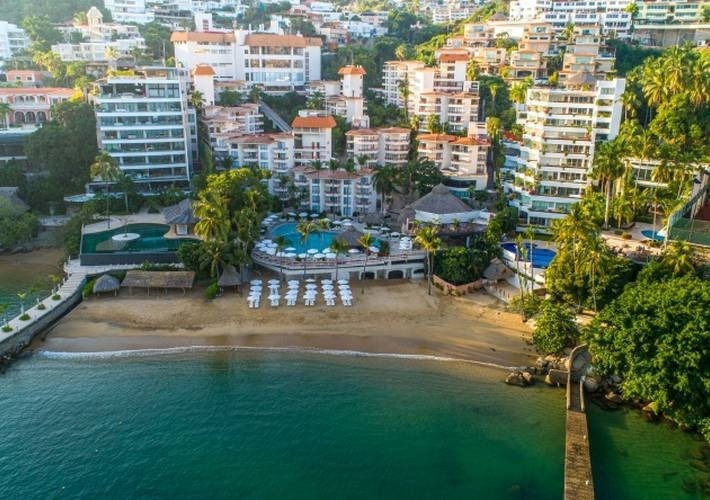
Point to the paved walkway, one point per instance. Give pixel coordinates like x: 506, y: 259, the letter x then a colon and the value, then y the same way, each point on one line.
x: 75, y: 279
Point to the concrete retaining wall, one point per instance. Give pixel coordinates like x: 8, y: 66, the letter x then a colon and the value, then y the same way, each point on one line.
x: 15, y: 341
x: 128, y: 258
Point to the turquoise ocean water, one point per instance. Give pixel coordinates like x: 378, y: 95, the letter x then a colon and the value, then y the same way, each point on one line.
x: 261, y: 424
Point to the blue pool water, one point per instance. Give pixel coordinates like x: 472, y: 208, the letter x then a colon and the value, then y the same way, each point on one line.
x: 541, y: 257
x: 318, y: 240
x: 651, y: 235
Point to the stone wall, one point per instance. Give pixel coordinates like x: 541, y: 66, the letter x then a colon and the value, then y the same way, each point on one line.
x: 11, y: 346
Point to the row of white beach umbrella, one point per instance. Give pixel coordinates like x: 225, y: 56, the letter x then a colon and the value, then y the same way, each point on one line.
x: 309, y: 296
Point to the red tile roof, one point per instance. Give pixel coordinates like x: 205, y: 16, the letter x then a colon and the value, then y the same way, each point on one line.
x: 314, y: 122
x: 202, y: 36
x: 270, y: 40
x: 352, y: 70
x: 203, y: 70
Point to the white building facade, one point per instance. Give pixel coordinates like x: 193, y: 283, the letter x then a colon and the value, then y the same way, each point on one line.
x: 144, y: 123
x: 547, y: 171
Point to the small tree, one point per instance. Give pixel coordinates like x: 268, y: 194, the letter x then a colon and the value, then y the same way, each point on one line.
x: 365, y: 241
x: 555, y: 328
x: 428, y: 239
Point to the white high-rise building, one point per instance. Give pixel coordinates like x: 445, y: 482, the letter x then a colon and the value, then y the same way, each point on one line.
x: 609, y: 15
x: 546, y: 172
x: 12, y: 40
x: 378, y: 146
x: 129, y: 11
x: 144, y: 122
x: 277, y: 62
x: 349, y: 102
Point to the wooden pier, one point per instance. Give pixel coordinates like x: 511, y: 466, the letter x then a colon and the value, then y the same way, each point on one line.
x: 579, y: 483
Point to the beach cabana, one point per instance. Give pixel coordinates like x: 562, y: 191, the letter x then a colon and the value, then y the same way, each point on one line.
x: 181, y: 219
x: 229, y: 278
x: 107, y: 283
x: 158, y: 279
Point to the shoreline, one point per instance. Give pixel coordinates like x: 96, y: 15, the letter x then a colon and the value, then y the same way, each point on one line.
x: 388, y: 318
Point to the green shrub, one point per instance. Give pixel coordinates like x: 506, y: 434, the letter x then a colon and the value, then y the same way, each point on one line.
x: 25, y: 317
x: 7, y: 328
x: 56, y: 296
x: 88, y: 288
x: 212, y: 290
x: 41, y: 307
x: 555, y: 328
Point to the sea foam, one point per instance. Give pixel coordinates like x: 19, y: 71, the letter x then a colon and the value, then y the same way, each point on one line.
x: 298, y: 350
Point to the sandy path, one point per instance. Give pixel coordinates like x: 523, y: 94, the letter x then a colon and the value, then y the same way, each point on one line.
x: 390, y: 317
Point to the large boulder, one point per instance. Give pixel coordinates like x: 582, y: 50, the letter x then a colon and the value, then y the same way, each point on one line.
x: 517, y: 378
x: 591, y: 384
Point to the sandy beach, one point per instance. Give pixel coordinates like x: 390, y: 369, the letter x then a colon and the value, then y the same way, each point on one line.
x: 389, y: 317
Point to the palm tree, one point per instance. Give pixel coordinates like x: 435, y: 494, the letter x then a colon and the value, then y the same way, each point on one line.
x: 316, y: 101
x: 5, y: 111
x: 362, y: 161
x: 383, y: 179
x: 111, y: 53
x: 106, y: 169
x: 305, y: 228
x: 197, y: 101
x: 22, y: 296
x: 211, y: 257
x: 608, y: 167
x: 428, y: 238
x: 255, y: 94
x: 214, y: 223
x: 403, y: 87
x: 281, y: 244
x: 595, y: 256
x: 3, y: 309
x: 338, y: 246
x: 333, y: 165
x: 654, y: 86
x: 80, y: 19
x: 678, y: 257
x: 472, y: 70
x: 365, y: 241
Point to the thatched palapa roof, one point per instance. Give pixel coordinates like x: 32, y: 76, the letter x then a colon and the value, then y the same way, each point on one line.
x: 106, y: 283
x: 230, y: 277
x: 440, y: 201
x: 158, y: 279
x: 180, y: 214
x: 351, y: 237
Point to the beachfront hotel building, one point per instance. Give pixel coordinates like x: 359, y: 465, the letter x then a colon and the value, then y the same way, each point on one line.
x: 274, y: 61
x: 339, y: 192
x: 546, y: 170
x: 378, y: 146
x: 312, y: 137
x: 144, y: 122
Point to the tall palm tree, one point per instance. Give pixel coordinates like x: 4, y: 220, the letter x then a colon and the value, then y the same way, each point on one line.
x: 338, y: 246
x: 333, y: 165
x: 211, y: 257
x: 678, y: 257
x: 305, y: 228
x: 428, y: 238
x: 5, y: 111
x: 383, y: 180
x: 212, y: 212
x: 197, y: 101
x: 608, y: 167
x: 654, y: 86
x: 106, y: 169
x: 595, y: 256
x: 365, y: 241
x: 362, y: 161
x: 316, y: 101
x: 404, y: 92
x: 281, y: 244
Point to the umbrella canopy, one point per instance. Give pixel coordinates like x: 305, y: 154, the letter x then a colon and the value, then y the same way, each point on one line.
x: 229, y: 277
x: 374, y: 249
x: 273, y: 282
x: 330, y: 255
x: 255, y: 282
x: 318, y: 256
x: 290, y: 249
x: 337, y: 223
x: 312, y: 251
x: 302, y: 255
x: 106, y: 283
x: 303, y: 214
x: 353, y: 250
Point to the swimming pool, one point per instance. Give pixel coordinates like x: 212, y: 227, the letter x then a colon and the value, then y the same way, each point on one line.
x: 318, y: 239
x: 151, y: 240
x: 652, y: 235
x: 541, y: 257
